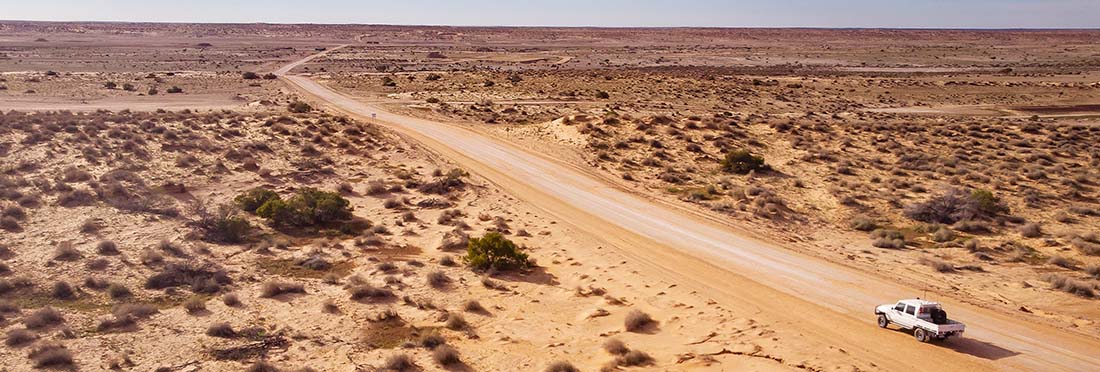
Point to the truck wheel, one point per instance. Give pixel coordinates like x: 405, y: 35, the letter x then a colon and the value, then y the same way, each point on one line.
x: 921, y: 335
x: 882, y: 321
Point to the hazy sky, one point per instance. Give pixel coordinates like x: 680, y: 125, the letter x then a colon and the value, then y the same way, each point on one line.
x: 746, y: 13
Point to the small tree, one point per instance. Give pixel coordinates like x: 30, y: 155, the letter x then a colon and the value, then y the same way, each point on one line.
x: 495, y: 252
x: 270, y: 76
x: 174, y: 90
x: 249, y: 75
x: 307, y: 208
x: 743, y: 162
x: 110, y: 85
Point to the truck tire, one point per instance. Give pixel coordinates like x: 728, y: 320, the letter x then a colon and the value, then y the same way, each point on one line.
x: 921, y: 335
x: 882, y: 321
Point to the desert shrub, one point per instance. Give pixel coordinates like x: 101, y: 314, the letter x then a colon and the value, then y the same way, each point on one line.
x: 249, y: 75
x: 937, y: 264
x: 299, y: 107
x: 14, y: 211
x: 432, y: 340
x: 743, y: 162
x: 494, y: 251
x: 399, y: 363
x: 472, y: 306
x: 92, y: 282
x: 118, y: 291
x: 306, y: 208
x: 62, y: 290
x: 223, y: 330
x: 253, y: 199
x: 447, y: 261
x: 202, y: 278
x: 634, y: 358
x: 174, y: 90
x: 1071, y: 285
x: 437, y: 279
x: 107, y: 248
x: 455, y: 322
x: 954, y: 205
x: 137, y: 311
x: 52, y: 356
x: 231, y: 299
x: 262, y: 366
x: 194, y: 305
x: 42, y: 318
x: 446, y: 356
x: 1086, y: 246
x: 1062, y: 261
x: 886, y: 238
x: 943, y: 234
x: 220, y: 225
x: 19, y: 337
x: 444, y: 184
x: 972, y: 226
x: 368, y: 292
x: 66, y: 252
x: 10, y: 224
x: 561, y: 366
x: 75, y: 198
x: 1031, y: 230
x: 1093, y: 270
x: 277, y: 288
x: 615, y: 347
x: 636, y: 320
x: 863, y: 223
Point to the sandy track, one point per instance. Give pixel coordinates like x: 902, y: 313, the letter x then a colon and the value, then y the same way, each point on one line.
x: 828, y: 303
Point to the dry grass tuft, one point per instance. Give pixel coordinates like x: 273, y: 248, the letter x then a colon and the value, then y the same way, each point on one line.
x: 277, y: 288
x: 52, y: 356
x: 636, y: 321
x: 223, y: 330
x: 438, y: 279
x: 42, y: 318
x: 446, y: 356
x: 937, y: 264
x: 19, y: 337
x: 561, y: 366
x: 615, y: 347
x: 399, y: 363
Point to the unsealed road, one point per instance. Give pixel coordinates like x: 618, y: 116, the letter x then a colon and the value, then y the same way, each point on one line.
x: 829, y: 303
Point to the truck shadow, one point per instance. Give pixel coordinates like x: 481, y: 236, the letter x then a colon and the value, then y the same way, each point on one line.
x: 978, y: 348
x: 970, y: 346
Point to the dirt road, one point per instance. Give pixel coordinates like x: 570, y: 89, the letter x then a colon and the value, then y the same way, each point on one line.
x: 827, y: 303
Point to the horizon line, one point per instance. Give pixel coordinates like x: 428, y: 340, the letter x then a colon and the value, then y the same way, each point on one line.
x: 900, y: 28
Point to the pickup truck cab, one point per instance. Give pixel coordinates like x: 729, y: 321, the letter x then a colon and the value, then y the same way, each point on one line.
x: 926, y: 319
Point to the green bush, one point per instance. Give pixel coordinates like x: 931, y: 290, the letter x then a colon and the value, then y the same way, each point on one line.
x: 743, y: 162
x: 987, y: 203
x: 253, y: 199
x: 307, y: 208
x: 495, y: 252
x: 220, y: 225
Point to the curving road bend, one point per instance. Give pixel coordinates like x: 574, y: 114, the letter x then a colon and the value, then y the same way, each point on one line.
x: 830, y: 303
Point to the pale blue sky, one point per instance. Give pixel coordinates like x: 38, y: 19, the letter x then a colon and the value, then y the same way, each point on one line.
x: 746, y: 13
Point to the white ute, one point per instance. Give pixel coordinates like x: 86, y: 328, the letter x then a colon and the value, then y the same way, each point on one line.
x: 926, y: 319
